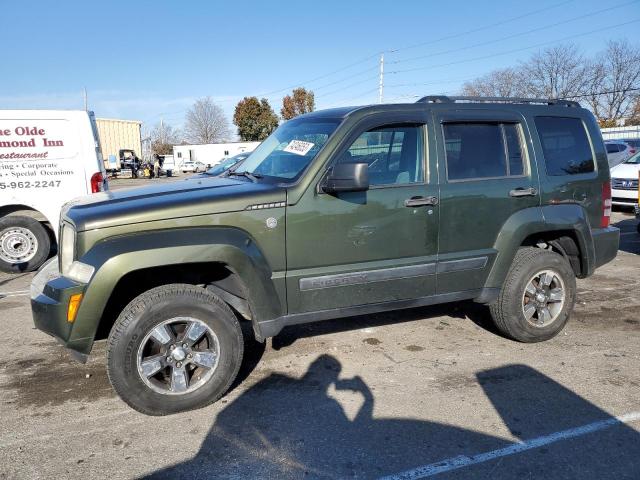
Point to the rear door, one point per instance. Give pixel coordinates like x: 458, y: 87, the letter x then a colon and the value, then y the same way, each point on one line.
x: 486, y: 175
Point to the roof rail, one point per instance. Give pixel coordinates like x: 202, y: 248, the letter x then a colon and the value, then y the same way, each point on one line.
x: 540, y: 101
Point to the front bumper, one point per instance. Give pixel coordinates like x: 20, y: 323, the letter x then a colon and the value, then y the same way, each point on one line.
x: 50, y: 294
x: 627, y: 198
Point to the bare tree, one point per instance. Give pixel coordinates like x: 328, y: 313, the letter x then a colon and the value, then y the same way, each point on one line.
x: 507, y: 82
x: 615, y: 78
x: 206, y: 123
x: 557, y: 72
x: 163, y: 138
x: 608, y: 84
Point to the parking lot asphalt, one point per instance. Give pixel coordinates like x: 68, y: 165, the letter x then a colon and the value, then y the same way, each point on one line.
x: 409, y: 394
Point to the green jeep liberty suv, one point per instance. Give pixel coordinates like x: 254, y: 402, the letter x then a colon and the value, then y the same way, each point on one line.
x: 339, y: 212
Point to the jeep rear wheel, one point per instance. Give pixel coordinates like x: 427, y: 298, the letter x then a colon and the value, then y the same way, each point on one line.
x: 174, y: 348
x: 24, y: 244
x: 537, y: 296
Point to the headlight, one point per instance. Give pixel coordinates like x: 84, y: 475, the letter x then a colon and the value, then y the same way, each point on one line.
x: 80, y: 272
x: 67, y: 248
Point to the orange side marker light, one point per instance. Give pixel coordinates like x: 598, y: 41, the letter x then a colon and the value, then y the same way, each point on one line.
x: 74, y: 304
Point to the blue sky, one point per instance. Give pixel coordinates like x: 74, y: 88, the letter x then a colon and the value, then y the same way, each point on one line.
x: 146, y: 60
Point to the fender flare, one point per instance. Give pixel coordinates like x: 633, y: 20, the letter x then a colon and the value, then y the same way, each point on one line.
x: 529, y: 221
x: 115, y: 257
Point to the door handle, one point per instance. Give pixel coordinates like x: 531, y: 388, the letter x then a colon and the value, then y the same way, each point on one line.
x: 420, y: 201
x: 523, y: 192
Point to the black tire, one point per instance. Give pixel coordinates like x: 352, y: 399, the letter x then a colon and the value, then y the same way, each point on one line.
x: 508, y: 310
x: 32, y: 231
x: 146, y: 312
x: 638, y: 227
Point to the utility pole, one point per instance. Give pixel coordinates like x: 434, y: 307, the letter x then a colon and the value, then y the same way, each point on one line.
x: 84, y: 95
x: 381, y: 85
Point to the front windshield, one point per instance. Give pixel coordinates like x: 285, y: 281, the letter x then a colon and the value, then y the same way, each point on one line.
x: 286, y: 152
x: 635, y: 160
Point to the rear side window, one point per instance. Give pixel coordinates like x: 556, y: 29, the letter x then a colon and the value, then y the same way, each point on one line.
x: 565, y: 145
x: 483, y: 150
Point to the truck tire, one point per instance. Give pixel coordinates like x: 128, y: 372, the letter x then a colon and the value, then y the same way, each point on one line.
x: 24, y: 244
x: 537, y: 297
x: 174, y: 348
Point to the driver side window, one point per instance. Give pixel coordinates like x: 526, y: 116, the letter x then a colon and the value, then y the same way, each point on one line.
x: 394, y: 154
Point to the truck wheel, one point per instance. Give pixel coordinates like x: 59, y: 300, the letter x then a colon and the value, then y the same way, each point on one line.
x: 537, y: 297
x: 24, y: 244
x: 174, y: 348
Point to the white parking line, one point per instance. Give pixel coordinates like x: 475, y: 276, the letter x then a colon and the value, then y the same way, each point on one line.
x: 462, y: 461
x: 17, y: 293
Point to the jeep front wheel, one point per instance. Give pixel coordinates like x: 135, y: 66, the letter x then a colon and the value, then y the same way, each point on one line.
x: 537, y: 296
x: 174, y: 348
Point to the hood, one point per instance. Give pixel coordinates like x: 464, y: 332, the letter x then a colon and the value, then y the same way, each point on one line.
x: 198, y: 196
x: 626, y: 170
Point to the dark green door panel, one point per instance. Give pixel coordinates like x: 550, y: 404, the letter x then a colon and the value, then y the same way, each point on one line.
x: 369, y: 235
x: 474, y: 210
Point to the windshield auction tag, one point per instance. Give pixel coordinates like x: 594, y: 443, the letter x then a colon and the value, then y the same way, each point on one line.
x: 298, y: 147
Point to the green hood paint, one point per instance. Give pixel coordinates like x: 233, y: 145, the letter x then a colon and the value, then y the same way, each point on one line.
x: 169, y: 201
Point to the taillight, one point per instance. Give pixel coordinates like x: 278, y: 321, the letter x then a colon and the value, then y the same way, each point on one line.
x: 97, y: 182
x: 606, y: 204
x: 632, y: 151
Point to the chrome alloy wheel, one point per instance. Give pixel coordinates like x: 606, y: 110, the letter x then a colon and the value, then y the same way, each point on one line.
x: 178, y: 356
x: 543, y: 299
x: 18, y: 244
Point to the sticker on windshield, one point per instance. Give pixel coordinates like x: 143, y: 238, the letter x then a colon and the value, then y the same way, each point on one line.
x: 298, y: 147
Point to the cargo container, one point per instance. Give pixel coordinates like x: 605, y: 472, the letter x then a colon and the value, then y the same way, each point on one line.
x: 116, y: 135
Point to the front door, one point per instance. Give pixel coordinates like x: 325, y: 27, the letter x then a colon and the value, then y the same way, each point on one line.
x: 360, y: 248
x: 487, y: 174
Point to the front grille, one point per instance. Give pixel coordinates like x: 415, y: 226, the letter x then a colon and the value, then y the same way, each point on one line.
x: 624, y: 184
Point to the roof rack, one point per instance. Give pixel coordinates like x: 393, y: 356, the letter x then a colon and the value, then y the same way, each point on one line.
x: 539, y: 101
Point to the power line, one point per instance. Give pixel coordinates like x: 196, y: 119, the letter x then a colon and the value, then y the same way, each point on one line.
x: 519, y: 34
x: 595, y: 94
x: 396, y: 85
x: 515, y: 50
x: 320, y: 77
x: 346, y: 87
x: 590, y: 94
x: 480, y: 29
x: 345, y: 78
x: 352, y: 97
x: 367, y: 58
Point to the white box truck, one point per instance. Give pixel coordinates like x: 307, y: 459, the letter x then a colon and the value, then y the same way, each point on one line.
x: 47, y: 158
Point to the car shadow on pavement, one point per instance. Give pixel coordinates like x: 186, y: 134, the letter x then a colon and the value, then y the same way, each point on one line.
x: 289, y: 335
x: 288, y: 427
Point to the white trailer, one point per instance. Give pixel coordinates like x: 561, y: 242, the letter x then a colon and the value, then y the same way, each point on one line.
x: 210, y: 154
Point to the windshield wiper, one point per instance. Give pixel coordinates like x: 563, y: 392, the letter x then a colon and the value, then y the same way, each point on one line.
x: 251, y: 176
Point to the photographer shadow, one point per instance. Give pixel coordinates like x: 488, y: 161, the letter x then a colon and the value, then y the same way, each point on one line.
x: 286, y: 427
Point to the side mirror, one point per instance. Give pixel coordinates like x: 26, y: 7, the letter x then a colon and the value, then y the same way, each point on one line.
x: 347, y: 177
